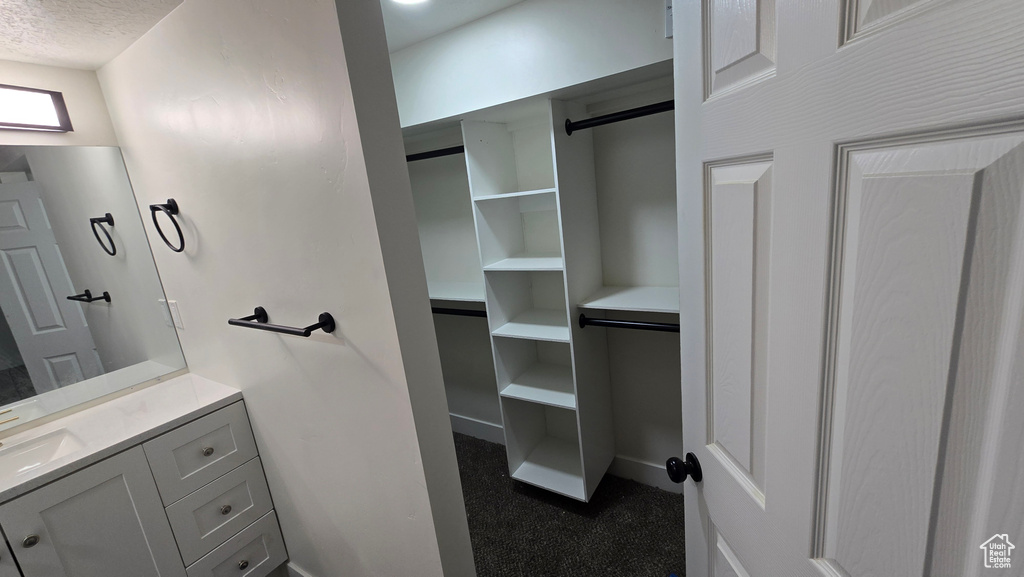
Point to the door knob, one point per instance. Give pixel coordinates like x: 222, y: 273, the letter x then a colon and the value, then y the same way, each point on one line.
x: 30, y: 541
x: 678, y: 469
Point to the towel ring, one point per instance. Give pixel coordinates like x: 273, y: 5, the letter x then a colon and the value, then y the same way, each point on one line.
x: 97, y: 223
x: 170, y: 209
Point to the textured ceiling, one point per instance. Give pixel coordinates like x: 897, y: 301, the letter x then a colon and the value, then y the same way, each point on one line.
x: 408, y: 24
x: 75, y: 33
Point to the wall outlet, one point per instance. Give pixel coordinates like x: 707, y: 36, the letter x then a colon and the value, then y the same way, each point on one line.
x: 175, y: 314
x: 668, y: 18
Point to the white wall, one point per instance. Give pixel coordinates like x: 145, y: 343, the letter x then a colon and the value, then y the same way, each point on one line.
x: 84, y: 182
x: 280, y: 142
x: 527, y: 49
x: 82, y: 95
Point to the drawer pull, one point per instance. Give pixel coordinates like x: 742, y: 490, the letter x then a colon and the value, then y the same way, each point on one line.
x: 226, y: 509
x: 207, y: 451
x: 30, y: 541
x: 243, y: 565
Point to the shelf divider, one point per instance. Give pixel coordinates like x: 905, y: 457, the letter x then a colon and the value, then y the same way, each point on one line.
x: 545, y: 384
x: 636, y: 298
x: 538, y: 325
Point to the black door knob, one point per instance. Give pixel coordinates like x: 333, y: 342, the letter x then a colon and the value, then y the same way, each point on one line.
x: 678, y: 469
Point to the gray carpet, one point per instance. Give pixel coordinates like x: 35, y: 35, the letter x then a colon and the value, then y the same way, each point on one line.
x: 627, y: 529
x: 15, y: 385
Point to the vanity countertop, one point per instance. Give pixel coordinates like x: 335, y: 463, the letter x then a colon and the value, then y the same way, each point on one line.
x: 116, y: 425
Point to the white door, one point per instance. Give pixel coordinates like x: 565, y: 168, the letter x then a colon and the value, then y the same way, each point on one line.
x: 106, y: 520
x: 50, y: 330
x: 851, y: 224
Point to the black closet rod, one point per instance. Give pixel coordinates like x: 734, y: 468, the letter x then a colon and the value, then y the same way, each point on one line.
x: 662, y: 327
x: 458, y: 312
x: 648, y: 110
x: 435, y: 153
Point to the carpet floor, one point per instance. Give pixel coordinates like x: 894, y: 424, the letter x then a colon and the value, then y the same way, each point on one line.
x: 627, y: 529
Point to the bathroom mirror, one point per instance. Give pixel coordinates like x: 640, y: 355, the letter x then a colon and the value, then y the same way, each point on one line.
x: 70, y: 227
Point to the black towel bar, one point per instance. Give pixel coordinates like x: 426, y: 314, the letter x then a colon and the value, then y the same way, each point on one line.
x: 644, y: 326
x: 648, y: 110
x: 97, y: 223
x: 435, y: 153
x: 458, y: 312
x: 258, y: 320
x: 170, y: 208
x: 87, y: 297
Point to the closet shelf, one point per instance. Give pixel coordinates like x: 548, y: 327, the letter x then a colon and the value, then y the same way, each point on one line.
x: 639, y: 298
x: 514, y: 194
x: 456, y: 291
x: 554, y: 465
x: 544, y: 383
x: 538, y: 325
x: 528, y: 262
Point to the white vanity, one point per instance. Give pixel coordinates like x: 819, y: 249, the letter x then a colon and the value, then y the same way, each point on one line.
x: 163, y: 482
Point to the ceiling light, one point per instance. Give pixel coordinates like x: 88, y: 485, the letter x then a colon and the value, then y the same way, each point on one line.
x: 407, y: 2
x: 33, y: 109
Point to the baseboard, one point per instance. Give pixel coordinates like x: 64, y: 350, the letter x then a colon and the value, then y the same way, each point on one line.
x: 294, y: 571
x: 478, y: 429
x: 643, y: 472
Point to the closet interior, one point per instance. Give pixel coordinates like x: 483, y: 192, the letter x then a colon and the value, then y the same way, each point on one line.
x: 525, y: 228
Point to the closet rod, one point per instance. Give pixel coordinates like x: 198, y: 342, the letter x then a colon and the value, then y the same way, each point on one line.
x: 435, y: 153
x: 458, y: 312
x: 648, y: 110
x: 663, y: 327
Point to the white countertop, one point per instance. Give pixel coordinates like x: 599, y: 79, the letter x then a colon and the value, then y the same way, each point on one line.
x: 118, y: 424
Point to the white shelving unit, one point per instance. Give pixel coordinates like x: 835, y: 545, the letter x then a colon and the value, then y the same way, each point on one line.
x: 558, y: 225
x: 533, y: 194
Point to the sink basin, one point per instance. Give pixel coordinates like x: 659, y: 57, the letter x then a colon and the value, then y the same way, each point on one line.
x: 29, y: 455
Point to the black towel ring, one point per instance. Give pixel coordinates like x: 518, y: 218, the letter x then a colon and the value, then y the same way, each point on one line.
x: 97, y: 223
x: 170, y: 209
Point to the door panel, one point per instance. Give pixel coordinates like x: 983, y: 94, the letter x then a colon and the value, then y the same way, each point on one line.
x: 740, y: 45
x: 738, y: 238
x: 854, y: 310
x: 725, y: 561
x: 32, y: 288
x: 927, y: 232
x: 864, y: 16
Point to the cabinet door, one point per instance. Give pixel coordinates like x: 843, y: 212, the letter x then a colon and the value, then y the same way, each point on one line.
x: 103, y: 521
x: 8, y: 568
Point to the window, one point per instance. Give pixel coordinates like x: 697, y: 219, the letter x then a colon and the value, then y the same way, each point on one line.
x: 33, y: 109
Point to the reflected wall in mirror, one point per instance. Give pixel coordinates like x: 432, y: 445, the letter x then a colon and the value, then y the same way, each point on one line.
x: 55, y: 352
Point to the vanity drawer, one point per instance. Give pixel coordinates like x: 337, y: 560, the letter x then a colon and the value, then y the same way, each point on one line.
x: 206, y: 518
x: 254, y: 552
x: 195, y: 454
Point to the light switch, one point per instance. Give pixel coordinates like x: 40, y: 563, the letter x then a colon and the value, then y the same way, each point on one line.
x: 668, y: 18
x: 166, y: 313
x: 175, y: 314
